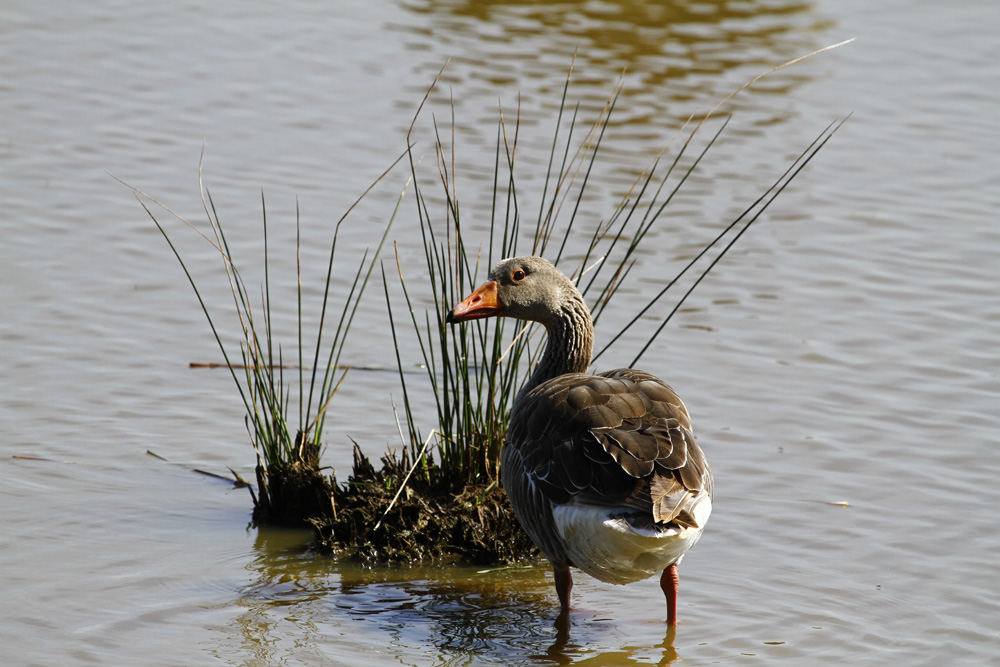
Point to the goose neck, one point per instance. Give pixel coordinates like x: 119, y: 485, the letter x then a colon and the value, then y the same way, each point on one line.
x: 570, y: 344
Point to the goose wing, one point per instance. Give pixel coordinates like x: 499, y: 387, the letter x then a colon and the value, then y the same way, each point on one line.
x: 619, y: 439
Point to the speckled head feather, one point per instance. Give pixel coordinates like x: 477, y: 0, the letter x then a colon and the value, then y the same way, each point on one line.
x: 530, y: 288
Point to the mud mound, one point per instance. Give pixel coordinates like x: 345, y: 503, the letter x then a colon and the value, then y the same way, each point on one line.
x: 434, y: 518
x: 292, y: 494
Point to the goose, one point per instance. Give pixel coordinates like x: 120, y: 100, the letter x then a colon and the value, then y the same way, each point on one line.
x: 602, y: 471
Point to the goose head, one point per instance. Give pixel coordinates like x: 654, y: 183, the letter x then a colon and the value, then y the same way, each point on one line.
x: 524, y: 288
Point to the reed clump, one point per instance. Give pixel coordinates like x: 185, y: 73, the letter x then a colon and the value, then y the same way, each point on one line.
x: 439, y: 496
x: 285, y: 429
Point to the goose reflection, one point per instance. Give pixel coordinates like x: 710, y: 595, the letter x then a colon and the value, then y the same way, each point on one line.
x: 563, y: 652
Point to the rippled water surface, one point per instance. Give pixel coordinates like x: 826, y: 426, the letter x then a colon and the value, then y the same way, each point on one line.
x: 846, y: 351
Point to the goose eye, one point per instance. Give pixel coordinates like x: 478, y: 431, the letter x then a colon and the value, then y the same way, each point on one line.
x: 517, y: 276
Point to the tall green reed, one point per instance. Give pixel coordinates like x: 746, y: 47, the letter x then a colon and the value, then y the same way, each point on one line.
x: 473, y: 375
x: 286, y: 444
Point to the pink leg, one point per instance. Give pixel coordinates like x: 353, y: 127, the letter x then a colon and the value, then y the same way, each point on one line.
x: 564, y: 584
x: 670, y: 581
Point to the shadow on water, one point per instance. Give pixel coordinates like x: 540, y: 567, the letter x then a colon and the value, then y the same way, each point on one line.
x: 300, y: 605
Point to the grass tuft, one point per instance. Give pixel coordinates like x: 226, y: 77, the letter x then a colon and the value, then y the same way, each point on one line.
x: 286, y: 435
x: 472, y: 374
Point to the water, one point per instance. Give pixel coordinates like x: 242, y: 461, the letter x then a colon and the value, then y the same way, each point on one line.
x: 846, y: 351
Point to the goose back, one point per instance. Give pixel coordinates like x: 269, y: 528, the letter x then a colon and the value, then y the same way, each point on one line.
x: 620, y: 440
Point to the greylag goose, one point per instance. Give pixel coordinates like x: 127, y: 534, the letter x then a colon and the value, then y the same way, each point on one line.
x: 602, y: 471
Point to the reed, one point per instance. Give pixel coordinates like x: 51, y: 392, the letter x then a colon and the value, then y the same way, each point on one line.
x: 285, y: 429
x: 473, y: 374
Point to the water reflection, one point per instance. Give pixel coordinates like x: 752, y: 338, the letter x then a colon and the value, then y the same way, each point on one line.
x: 565, y: 652
x: 504, y: 41
x: 302, y: 604
x: 281, y: 580
x: 680, y: 59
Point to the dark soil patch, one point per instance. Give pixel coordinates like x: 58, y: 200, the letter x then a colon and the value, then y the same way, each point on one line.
x: 434, y: 518
x: 294, y: 493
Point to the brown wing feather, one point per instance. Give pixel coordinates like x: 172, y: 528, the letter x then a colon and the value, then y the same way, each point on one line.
x: 619, y: 438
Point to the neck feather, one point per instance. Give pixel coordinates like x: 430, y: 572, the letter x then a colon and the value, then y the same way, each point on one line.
x: 570, y: 343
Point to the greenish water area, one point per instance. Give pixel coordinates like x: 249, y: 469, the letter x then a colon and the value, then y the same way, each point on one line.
x: 840, y: 365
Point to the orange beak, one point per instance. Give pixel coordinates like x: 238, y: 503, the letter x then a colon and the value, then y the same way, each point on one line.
x: 480, y: 304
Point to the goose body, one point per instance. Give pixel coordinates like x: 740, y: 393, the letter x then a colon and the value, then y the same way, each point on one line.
x: 603, y: 471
